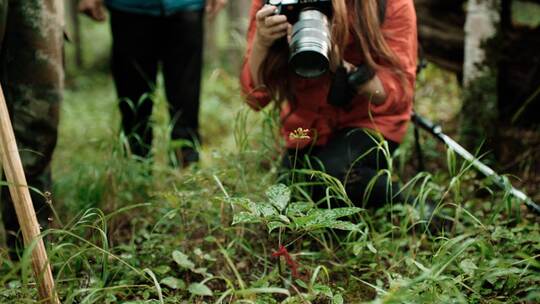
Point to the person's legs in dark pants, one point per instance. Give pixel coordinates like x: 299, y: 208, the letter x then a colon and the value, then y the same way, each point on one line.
x: 135, y: 57
x: 356, y: 158
x: 182, y: 38
x: 32, y: 79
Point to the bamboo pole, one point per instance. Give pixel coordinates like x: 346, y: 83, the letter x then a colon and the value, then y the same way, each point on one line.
x: 11, y: 161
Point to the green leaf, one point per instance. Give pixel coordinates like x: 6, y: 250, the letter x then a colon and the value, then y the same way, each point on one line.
x: 262, y: 209
x: 198, y: 252
x: 279, y: 196
x: 274, y: 225
x: 337, y: 299
x: 173, y: 283
x: 202, y: 271
x: 16, y: 284
x: 323, y: 289
x: 502, y: 273
x: 298, y: 208
x: 468, y: 266
x: 162, y: 269
x: 182, y: 260
x: 501, y: 233
x: 325, y: 218
x: 199, y: 289
x: 208, y: 257
x: 371, y: 248
x: 245, y: 217
x: 240, y: 201
x: 342, y: 225
x: 301, y: 283
x: 284, y: 219
x: 210, y: 239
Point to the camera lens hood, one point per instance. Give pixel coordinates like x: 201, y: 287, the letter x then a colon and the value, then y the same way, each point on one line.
x: 310, y: 44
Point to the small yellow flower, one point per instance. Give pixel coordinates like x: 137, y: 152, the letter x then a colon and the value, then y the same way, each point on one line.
x: 299, y: 134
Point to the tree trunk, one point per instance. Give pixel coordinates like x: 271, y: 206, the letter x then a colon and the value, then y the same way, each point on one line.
x: 441, y: 26
x: 479, y: 112
x: 480, y: 26
x: 441, y: 32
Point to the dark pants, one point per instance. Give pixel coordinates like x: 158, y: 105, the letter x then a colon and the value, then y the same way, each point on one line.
x: 31, y: 74
x: 140, y: 44
x: 352, y: 157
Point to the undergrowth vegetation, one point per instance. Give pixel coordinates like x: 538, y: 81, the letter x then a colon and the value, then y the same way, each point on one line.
x: 226, y: 231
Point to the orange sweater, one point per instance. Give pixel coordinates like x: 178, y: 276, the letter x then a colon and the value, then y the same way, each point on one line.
x: 312, y: 111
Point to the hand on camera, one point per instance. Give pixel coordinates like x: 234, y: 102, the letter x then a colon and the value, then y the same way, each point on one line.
x: 347, y: 81
x: 271, y: 27
x: 341, y: 94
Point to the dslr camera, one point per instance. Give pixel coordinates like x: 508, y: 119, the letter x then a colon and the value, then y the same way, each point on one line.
x: 310, y: 46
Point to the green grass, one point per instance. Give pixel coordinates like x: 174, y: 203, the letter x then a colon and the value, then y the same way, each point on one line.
x: 210, y: 233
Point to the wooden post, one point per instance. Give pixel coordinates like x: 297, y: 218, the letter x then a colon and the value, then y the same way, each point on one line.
x: 18, y: 188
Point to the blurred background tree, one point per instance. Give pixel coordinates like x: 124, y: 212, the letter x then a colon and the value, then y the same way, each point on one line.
x: 512, y: 55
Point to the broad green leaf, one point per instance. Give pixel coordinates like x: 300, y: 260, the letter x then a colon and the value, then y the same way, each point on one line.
x: 279, y: 196
x: 14, y: 284
x: 245, y: 217
x: 202, y: 271
x: 162, y: 269
x: 182, y: 260
x: 240, y: 201
x: 208, y: 257
x: 274, y: 225
x: 199, y: 289
x: 262, y: 209
x: 210, y: 239
x: 358, y: 248
x: 324, y: 218
x: 284, y: 219
x: 468, y: 266
x: 301, y: 283
x: 337, y: 299
x: 198, y: 252
x: 323, y: 289
x: 501, y: 233
x: 342, y: 225
x: 502, y: 273
x: 173, y: 283
x: 298, y: 208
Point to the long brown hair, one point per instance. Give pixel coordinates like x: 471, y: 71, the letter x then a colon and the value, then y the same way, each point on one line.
x: 365, y: 23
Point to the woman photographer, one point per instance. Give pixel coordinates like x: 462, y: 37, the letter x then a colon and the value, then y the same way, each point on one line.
x: 352, y: 125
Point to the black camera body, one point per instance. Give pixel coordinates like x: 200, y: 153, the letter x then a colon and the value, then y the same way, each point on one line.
x: 292, y: 8
x: 311, y: 42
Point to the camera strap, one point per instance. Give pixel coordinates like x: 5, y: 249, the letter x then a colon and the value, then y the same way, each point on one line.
x: 382, y: 11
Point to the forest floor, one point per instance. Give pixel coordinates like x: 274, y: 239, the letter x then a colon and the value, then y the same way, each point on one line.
x: 127, y: 231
